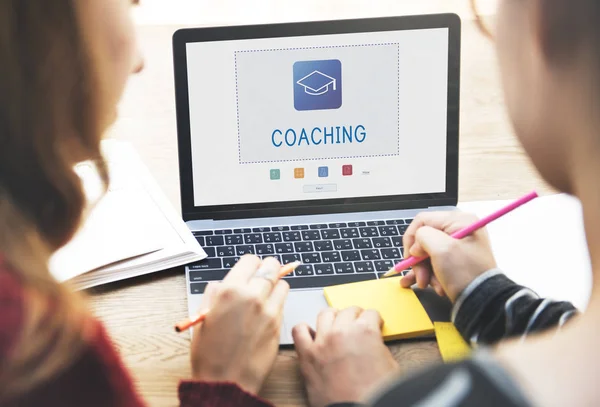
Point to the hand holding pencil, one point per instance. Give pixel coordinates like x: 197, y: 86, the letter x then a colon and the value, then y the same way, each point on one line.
x: 451, y: 249
x: 201, y: 316
x: 239, y: 338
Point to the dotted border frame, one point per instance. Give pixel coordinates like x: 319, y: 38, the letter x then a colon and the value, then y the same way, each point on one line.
x: 305, y: 48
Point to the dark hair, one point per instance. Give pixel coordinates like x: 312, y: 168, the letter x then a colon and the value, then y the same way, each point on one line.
x: 49, y: 109
x: 570, y: 25
x: 47, y: 114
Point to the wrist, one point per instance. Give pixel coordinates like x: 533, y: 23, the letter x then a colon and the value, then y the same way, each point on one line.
x: 471, y: 288
x: 460, y: 286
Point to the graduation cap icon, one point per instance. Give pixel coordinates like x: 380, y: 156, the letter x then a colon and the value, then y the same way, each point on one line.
x: 317, y: 83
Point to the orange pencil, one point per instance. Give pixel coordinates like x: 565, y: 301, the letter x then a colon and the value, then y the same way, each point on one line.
x: 188, y: 323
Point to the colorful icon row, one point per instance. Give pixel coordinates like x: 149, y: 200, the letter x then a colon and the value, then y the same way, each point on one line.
x: 323, y: 172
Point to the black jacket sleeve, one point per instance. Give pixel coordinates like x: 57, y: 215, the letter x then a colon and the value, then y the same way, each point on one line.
x: 493, y: 307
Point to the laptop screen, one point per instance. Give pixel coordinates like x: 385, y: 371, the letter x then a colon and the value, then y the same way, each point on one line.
x: 308, y: 118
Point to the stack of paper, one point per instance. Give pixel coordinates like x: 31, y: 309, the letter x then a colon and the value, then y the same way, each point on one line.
x: 133, y: 229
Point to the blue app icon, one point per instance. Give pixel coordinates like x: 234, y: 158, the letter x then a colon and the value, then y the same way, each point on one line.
x: 323, y: 172
x: 318, y: 84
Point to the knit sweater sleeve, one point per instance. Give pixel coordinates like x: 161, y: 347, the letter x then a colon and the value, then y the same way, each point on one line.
x: 204, y: 394
x: 98, y: 377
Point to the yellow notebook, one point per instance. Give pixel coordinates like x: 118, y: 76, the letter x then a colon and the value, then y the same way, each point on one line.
x: 402, y: 312
x: 452, y: 346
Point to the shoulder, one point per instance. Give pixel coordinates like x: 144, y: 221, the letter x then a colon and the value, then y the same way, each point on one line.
x: 11, y: 308
x: 479, y: 381
x: 97, y: 370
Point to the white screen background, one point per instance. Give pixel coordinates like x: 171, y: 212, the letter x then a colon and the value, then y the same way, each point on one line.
x: 420, y: 167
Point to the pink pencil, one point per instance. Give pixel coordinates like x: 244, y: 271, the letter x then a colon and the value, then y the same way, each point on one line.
x: 411, y: 261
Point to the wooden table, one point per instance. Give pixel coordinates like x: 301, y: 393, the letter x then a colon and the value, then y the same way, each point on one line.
x: 140, y: 313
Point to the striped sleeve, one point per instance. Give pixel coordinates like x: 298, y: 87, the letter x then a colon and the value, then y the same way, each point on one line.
x: 493, y: 307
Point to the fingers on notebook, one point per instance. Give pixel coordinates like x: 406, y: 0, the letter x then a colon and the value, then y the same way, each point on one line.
x: 371, y: 318
x: 408, y: 280
x: 347, y: 316
x: 422, y: 274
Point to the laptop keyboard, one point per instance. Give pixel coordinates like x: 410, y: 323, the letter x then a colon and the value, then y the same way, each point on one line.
x: 334, y: 253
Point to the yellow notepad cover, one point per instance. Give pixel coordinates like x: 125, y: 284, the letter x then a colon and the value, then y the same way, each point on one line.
x: 452, y: 345
x: 402, y: 312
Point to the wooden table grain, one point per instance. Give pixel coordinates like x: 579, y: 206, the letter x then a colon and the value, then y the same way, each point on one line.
x: 140, y: 313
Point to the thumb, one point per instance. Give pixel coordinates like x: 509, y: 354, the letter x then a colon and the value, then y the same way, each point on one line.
x: 429, y: 241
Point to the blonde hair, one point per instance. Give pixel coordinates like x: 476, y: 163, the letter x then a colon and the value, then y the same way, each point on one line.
x: 49, y: 121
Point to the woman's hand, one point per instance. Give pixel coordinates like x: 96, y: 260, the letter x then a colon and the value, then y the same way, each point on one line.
x: 345, y: 359
x: 239, y: 340
x: 453, y: 263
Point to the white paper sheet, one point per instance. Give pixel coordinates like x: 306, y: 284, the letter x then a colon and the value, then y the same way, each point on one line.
x: 133, y: 230
x: 119, y: 227
x: 542, y: 245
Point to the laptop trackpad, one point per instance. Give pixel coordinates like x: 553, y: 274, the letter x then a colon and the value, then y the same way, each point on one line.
x: 301, y: 307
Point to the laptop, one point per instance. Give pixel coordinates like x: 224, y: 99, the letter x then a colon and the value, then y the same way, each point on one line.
x: 314, y: 141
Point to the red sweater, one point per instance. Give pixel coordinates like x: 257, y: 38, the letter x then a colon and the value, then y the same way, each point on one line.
x: 98, y: 378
